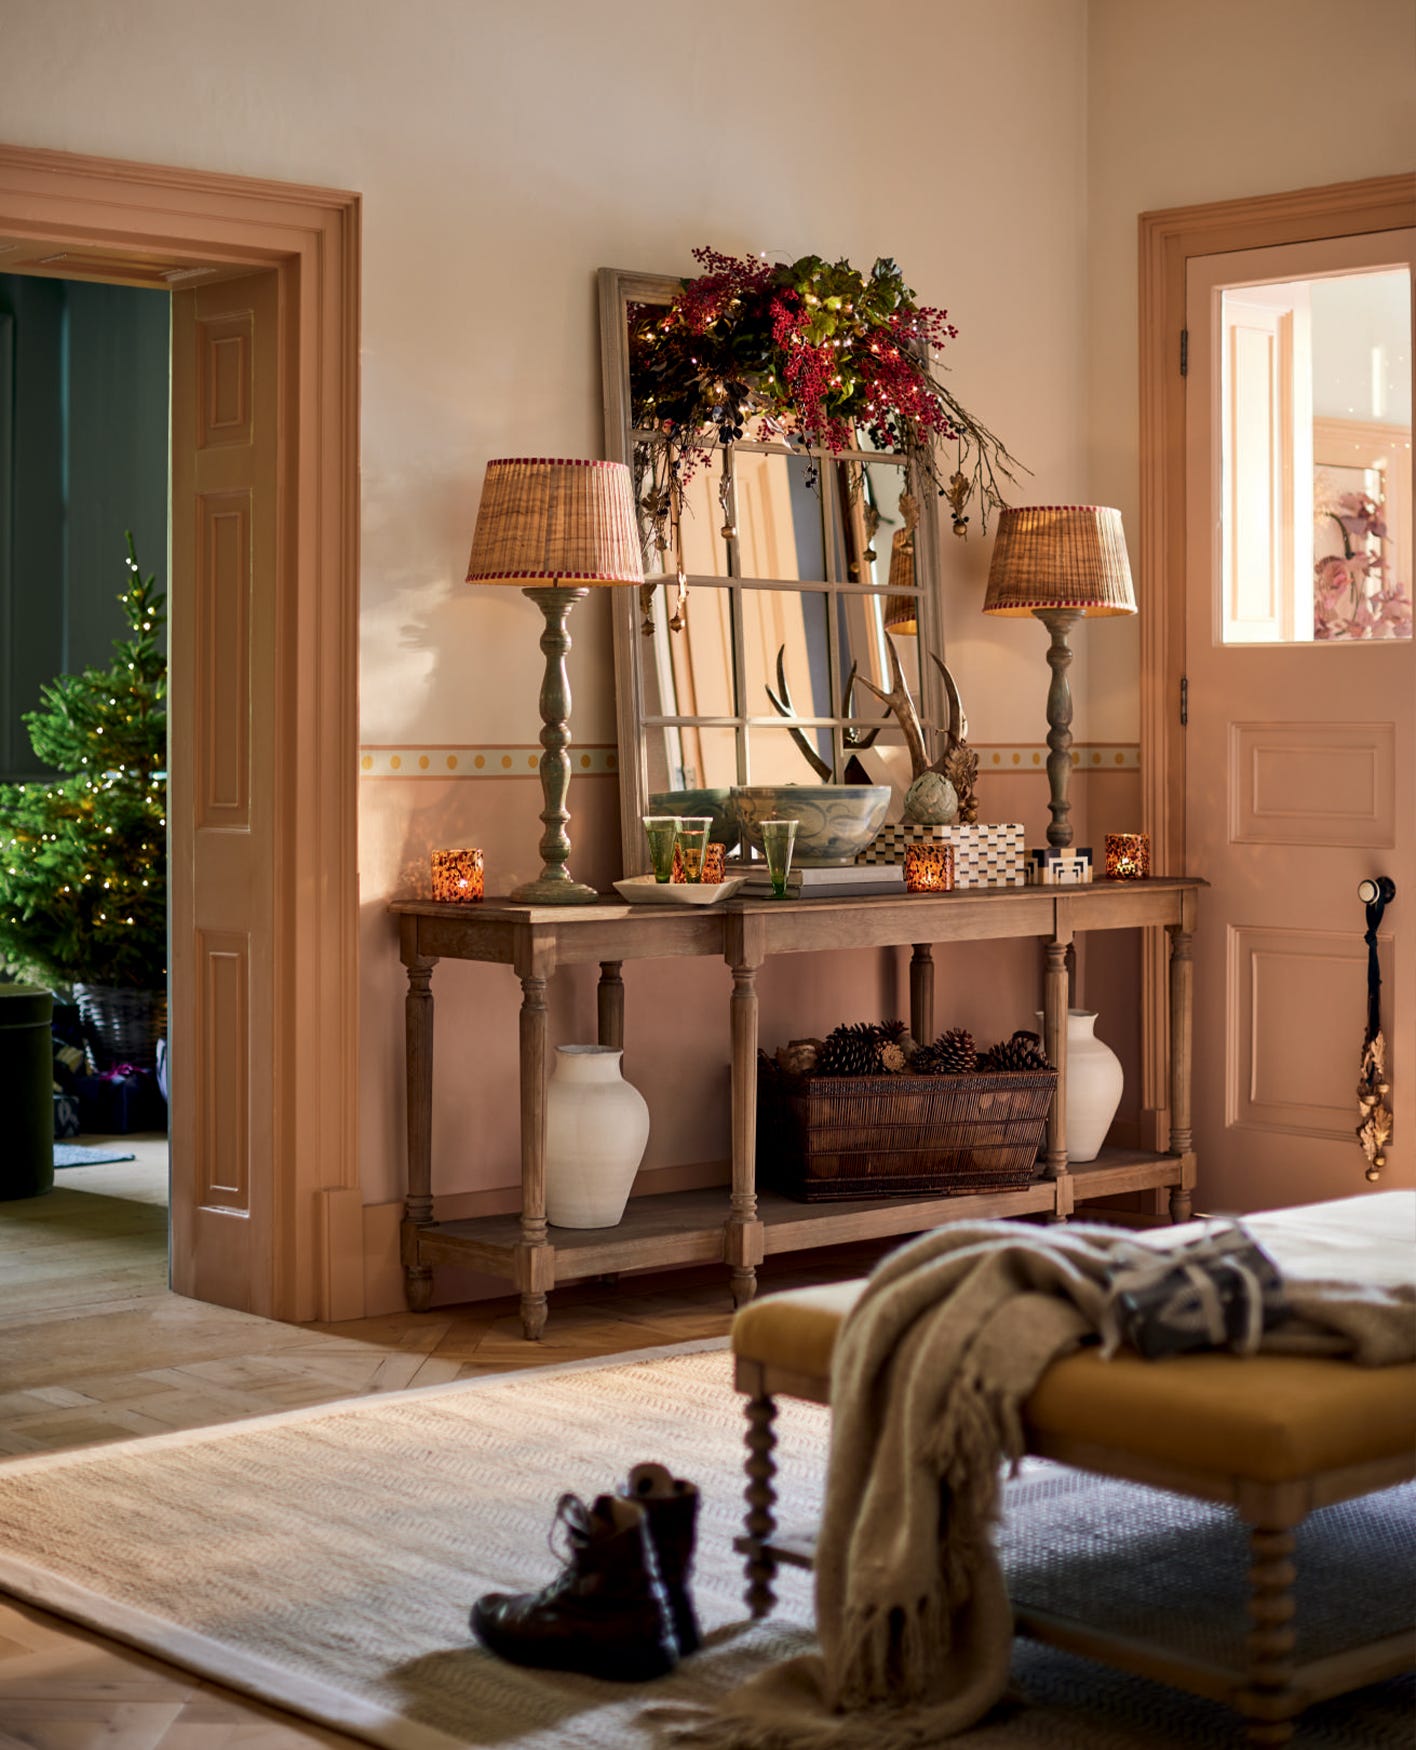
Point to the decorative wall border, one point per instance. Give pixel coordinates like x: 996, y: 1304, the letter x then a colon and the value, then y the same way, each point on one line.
x: 994, y: 760
x: 453, y: 760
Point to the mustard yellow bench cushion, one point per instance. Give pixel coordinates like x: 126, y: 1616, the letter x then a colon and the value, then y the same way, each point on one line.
x: 1268, y: 1418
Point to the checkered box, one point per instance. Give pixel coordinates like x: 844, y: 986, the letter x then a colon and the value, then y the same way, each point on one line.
x: 984, y: 856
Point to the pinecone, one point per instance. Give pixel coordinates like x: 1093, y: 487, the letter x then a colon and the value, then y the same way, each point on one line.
x: 851, y: 1050
x: 892, y: 1058
x: 952, y: 1054
x: 1022, y: 1052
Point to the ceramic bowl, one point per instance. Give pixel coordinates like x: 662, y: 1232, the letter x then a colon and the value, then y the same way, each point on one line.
x: 835, y: 822
x: 717, y: 804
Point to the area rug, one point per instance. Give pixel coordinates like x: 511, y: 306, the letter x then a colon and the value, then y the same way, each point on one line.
x: 326, y: 1559
x: 76, y: 1154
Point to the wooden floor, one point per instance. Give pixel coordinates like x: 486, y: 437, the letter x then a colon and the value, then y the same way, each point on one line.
x: 94, y: 1347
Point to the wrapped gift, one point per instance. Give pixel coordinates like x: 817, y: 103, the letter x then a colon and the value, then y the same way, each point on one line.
x: 121, y: 1100
x: 1220, y: 1291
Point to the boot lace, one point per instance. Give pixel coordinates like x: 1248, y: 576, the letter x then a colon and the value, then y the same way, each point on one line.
x: 571, y: 1526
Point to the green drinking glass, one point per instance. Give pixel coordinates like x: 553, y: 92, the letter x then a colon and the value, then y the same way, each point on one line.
x: 778, y: 837
x: 662, y: 833
x: 693, y: 844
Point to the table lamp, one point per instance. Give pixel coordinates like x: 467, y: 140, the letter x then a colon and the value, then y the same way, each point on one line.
x: 556, y: 528
x: 1059, y: 561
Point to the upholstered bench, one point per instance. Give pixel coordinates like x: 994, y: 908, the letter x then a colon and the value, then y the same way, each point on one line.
x: 1273, y: 1436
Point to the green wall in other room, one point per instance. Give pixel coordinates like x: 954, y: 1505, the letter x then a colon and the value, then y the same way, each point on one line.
x: 84, y: 391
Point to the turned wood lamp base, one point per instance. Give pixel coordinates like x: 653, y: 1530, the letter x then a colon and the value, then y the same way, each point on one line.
x: 555, y: 885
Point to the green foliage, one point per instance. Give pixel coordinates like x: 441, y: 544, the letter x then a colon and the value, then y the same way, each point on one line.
x: 83, y: 860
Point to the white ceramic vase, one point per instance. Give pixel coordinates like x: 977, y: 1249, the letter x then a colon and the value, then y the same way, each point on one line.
x: 1094, y: 1082
x: 597, y: 1126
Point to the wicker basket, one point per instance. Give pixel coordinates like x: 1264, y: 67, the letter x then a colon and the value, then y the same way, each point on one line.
x: 122, y: 1025
x: 824, y: 1137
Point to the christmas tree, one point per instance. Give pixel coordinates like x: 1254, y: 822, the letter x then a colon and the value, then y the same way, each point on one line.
x: 83, y: 860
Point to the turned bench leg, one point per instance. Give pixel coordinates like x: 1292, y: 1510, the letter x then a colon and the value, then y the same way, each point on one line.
x: 761, y: 1497
x: 1269, y: 1702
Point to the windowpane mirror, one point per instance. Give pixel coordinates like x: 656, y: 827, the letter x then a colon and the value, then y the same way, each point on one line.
x: 794, y: 566
x: 1316, y: 459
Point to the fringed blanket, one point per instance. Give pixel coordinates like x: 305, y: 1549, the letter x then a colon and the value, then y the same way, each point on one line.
x: 930, y: 1372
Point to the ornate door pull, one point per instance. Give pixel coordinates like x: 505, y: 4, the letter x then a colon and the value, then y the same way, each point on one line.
x: 1373, y: 1087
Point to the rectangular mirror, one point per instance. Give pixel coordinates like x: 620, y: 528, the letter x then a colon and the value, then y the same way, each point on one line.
x: 781, y: 550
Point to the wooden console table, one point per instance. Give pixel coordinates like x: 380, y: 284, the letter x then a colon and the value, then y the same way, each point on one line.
x: 696, y: 1227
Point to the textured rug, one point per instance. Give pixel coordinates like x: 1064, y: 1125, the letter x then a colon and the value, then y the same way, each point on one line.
x: 77, y: 1154
x: 326, y: 1559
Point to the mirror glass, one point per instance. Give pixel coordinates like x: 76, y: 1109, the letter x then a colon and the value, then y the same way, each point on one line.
x: 689, y: 757
x: 1316, y: 459
x: 784, y: 552
x: 690, y: 673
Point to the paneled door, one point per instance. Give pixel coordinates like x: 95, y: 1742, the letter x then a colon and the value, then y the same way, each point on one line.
x: 1300, y: 751
x: 225, y: 379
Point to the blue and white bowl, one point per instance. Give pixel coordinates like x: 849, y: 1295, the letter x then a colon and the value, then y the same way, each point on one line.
x: 835, y: 822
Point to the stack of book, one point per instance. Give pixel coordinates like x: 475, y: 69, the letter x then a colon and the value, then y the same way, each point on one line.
x: 847, y: 881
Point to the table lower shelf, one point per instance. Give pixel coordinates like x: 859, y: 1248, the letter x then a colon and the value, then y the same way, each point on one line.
x: 686, y: 1227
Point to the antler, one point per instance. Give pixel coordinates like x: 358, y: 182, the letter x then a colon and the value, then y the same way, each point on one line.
x: 957, y: 728
x: 900, y: 702
x: 785, y: 708
x: 858, y: 740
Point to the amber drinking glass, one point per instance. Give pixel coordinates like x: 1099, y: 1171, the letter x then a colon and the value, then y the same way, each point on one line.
x: 693, y: 844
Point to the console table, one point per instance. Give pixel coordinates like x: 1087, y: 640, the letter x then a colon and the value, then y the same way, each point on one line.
x: 696, y: 1227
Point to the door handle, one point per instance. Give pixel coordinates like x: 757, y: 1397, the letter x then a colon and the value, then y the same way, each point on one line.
x: 1373, y: 1086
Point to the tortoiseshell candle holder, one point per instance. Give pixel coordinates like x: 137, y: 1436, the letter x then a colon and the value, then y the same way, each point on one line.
x: 715, y: 860
x: 929, y: 868
x: 1128, y: 856
x: 457, y: 876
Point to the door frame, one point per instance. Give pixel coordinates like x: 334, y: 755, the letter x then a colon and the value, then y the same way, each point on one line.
x: 310, y: 1263
x: 1168, y: 239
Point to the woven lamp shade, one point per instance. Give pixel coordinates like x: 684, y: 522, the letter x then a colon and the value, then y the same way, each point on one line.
x: 556, y: 522
x: 902, y: 614
x: 1059, y: 556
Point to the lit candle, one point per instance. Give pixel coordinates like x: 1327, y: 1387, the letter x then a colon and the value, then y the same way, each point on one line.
x: 1128, y: 856
x: 457, y: 876
x: 929, y: 868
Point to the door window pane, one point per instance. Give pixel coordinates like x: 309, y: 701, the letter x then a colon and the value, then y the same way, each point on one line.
x: 1316, y: 534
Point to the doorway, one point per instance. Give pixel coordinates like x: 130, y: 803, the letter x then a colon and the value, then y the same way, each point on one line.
x: 85, y: 369
x: 1280, y: 674
x: 267, y: 1208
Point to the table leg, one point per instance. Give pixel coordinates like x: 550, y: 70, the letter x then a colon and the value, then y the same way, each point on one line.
x: 1271, y: 1700
x: 1182, y: 1008
x: 922, y: 992
x: 1054, y: 1043
x: 535, y: 1257
x: 609, y: 1004
x: 742, y: 1239
x: 418, y: 1050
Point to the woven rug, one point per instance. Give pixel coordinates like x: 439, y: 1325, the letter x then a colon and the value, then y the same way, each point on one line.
x: 326, y: 1560
x: 79, y: 1154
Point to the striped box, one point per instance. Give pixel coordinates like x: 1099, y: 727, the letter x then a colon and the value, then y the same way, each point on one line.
x: 984, y: 856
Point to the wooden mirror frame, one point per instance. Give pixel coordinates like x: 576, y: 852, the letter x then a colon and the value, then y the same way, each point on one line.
x: 618, y: 289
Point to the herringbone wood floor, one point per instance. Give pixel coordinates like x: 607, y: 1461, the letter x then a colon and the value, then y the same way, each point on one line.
x: 94, y: 1347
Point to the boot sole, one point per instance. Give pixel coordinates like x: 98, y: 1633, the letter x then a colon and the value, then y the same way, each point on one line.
x: 641, y: 1668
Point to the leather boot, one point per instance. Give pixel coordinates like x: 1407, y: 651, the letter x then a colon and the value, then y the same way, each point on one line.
x: 606, y: 1615
x: 672, y: 1507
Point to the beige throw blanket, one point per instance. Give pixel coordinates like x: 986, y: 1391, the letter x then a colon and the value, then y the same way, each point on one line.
x: 930, y: 1371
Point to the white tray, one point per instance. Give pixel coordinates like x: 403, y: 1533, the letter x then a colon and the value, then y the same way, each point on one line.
x: 645, y: 890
